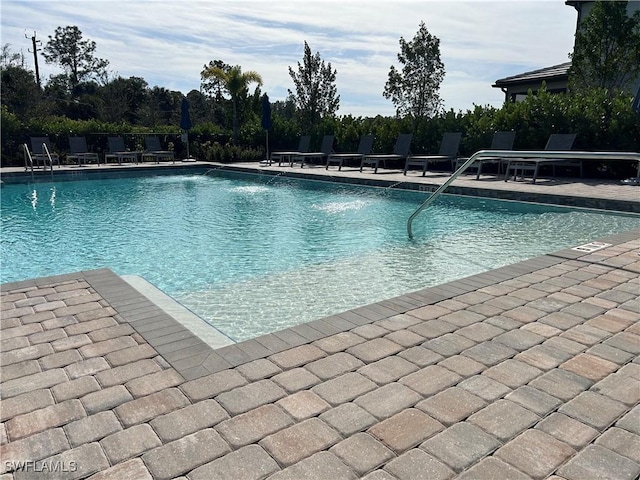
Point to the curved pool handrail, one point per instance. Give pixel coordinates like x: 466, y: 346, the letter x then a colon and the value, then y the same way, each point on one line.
x: 47, y: 155
x: 28, y: 159
x: 522, y: 154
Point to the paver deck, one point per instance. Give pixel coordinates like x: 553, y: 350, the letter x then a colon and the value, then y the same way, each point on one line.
x: 529, y: 371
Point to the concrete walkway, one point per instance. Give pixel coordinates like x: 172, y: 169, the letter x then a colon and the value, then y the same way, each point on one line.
x: 527, y: 371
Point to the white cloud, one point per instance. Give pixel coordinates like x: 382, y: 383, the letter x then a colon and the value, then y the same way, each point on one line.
x: 167, y: 43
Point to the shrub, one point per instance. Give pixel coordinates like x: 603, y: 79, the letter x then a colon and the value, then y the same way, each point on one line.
x: 601, y: 119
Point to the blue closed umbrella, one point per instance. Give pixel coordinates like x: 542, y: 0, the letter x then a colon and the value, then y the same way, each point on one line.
x: 636, y: 102
x: 185, y: 117
x: 266, y: 112
x: 185, y: 124
x: 266, y: 118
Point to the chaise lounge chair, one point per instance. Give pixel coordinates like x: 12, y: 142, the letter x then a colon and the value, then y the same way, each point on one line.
x: 155, y: 152
x: 80, y: 152
x: 364, y: 148
x: 325, y: 150
x: 448, y: 153
x: 400, y: 152
x: 38, y: 152
x: 118, y: 151
x: 556, y: 142
x: 287, y: 156
x: 501, y: 141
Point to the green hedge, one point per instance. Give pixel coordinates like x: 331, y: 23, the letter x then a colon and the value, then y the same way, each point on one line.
x: 601, y: 120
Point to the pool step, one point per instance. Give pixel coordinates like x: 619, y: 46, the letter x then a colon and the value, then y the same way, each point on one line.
x: 200, y: 328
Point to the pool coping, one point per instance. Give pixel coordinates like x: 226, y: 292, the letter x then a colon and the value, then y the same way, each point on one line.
x: 193, y: 358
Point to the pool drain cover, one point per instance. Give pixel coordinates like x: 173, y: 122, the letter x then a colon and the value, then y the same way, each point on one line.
x: 591, y: 247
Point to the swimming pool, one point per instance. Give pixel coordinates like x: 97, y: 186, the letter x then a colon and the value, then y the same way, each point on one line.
x: 253, y: 254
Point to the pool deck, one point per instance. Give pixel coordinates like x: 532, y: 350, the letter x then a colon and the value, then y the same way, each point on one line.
x: 529, y: 371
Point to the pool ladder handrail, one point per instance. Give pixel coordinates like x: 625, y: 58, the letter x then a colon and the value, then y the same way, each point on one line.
x: 28, y: 159
x: 522, y: 154
x: 214, y: 169
x: 45, y: 149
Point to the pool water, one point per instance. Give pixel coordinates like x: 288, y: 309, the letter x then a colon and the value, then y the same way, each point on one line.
x: 253, y: 254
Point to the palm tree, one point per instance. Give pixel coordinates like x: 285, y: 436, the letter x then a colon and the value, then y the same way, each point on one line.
x: 236, y: 84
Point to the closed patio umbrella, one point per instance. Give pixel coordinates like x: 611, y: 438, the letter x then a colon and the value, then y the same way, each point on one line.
x: 185, y: 125
x: 266, y: 118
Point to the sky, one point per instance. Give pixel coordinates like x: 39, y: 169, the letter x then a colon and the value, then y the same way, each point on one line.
x: 167, y: 43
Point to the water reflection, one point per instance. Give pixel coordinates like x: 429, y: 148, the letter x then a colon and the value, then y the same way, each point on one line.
x: 33, y: 198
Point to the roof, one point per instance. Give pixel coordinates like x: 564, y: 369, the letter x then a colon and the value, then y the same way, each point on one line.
x: 556, y: 72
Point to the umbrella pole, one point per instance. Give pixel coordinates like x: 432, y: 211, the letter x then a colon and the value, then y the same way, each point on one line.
x: 267, y: 146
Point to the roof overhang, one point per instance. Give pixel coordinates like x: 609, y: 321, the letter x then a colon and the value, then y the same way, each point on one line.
x: 555, y: 73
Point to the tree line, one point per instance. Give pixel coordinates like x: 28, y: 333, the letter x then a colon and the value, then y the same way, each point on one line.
x: 224, y: 107
x: 84, y: 91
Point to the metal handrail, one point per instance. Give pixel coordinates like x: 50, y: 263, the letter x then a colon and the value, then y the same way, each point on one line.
x: 47, y: 154
x: 27, y: 156
x: 524, y: 155
x: 45, y: 149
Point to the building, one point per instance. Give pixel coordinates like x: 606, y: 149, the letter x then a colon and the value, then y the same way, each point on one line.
x: 556, y: 77
x: 516, y: 87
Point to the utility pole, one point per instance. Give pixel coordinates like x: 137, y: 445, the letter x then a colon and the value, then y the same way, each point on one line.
x: 35, y: 55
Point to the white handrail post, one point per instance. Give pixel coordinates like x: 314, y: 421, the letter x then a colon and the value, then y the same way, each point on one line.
x: 48, y: 155
x: 27, y: 156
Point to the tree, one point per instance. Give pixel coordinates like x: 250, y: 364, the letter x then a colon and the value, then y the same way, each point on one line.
x: 123, y: 99
x: 212, y: 85
x: 162, y: 107
x: 75, y: 56
x: 199, y: 107
x: 607, y: 48
x: 414, y: 89
x: 236, y: 84
x: 284, y: 108
x: 20, y: 93
x: 9, y: 58
x: 316, y: 92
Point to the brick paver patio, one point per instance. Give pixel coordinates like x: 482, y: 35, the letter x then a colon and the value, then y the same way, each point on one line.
x: 530, y: 371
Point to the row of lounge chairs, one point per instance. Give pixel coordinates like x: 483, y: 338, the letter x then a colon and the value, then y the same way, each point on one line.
x: 362, y: 156
x: 448, y: 155
x: 79, y: 152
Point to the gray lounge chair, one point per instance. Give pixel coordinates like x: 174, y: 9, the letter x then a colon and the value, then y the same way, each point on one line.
x: 80, y: 152
x: 38, y: 153
x: 556, y: 142
x: 287, y: 156
x: 400, y: 152
x: 501, y: 141
x: 448, y: 153
x: 118, y: 151
x: 364, y: 148
x: 325, y: 150
x: 155, y: 152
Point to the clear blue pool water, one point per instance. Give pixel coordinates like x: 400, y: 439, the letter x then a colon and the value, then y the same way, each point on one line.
x: 254, y: 254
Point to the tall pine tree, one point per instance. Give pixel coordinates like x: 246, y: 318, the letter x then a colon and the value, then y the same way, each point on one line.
x: 316, y: 93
